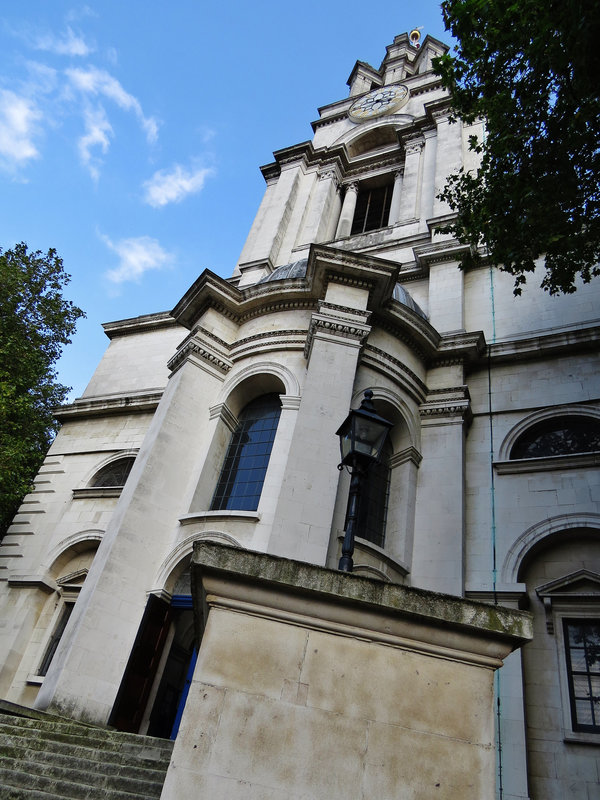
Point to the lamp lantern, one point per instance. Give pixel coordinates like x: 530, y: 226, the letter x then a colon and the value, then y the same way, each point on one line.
x: 362, y: 438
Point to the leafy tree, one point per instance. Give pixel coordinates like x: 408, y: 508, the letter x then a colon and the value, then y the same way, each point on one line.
x: 530, y: 69
x: 35, y: 322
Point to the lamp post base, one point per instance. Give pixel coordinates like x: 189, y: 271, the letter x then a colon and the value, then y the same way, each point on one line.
x: 346, y: 564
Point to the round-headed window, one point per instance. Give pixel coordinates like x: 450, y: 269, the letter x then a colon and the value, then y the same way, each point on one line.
x: 113, y: 475
x: 558, y: 436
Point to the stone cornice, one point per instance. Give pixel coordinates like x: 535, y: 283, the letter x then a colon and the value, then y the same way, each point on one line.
x: 404, y: 456
x: 459, y: 348
x: 205, y: 351
x: 443, y: 252
x: 334, y: 322
x: 268, y: 340
x: 547, y: 464
x: 385, y: 363
x: 231, y: 577
x: 452, y: 402
x: 438, y: 110
x: 142, y: 324
x: 409, y: 327
x: 540, y: 344
x: 127, y: 403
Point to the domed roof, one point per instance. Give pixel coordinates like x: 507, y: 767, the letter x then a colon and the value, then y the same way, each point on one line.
x: 402, y: 296
x: 297, y: 269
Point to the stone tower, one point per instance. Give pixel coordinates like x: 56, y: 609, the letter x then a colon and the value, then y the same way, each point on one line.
x: 347, y: 282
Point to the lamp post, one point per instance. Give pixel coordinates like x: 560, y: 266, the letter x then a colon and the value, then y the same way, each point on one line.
x: 362, y: 437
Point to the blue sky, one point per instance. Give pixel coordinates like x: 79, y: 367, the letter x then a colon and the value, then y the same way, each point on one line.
x: 131, y: 133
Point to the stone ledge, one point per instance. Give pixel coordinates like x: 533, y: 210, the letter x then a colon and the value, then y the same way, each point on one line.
x: 354, y: 605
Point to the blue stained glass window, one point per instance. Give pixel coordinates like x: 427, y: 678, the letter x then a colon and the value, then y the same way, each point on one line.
x: 247, y: 458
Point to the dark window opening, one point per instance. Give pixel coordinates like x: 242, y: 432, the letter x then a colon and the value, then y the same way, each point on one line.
x: 373, y: 506
x: 558, y: 436
x: 245, y: 465
x: 55, y: 638
x: 582, y: 646
x: 113, y: 475
x: 372, y: 209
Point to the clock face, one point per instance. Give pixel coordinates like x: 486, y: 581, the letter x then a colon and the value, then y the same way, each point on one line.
x: 379, y: 102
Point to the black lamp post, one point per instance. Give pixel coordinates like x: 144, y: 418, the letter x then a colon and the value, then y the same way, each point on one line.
x: 362, y: 436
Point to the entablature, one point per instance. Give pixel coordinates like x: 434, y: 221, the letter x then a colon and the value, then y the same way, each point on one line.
x: 129, y: 403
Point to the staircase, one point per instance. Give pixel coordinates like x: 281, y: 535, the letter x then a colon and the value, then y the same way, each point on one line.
x: 45, y: 757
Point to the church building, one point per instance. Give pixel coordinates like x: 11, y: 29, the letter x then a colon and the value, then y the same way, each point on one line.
x: 216, y: 423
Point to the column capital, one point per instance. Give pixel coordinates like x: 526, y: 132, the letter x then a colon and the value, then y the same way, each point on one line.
x: 337, y: 323
x: 444, y: 406
x: 330, y: 174
x: 413, y: 143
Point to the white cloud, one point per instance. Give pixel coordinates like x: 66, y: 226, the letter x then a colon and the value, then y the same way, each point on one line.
x: 171, y: 186
x: 18, y: 125
x: 79, y: 13
x: 137, y: 256
x: 98, y: 132
x: 68, y: 44
x: 94, y: 81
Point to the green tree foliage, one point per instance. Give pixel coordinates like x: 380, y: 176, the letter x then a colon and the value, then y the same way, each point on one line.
x: 35, y: 323
x: 530, y: 69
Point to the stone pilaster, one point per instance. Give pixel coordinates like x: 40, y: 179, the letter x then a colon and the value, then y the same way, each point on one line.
x: 411, y: 186
x: 85, y: 674
x: 448, y: 155
x: 304, y: 512
x: 440, y: 519
x: 323, y: 210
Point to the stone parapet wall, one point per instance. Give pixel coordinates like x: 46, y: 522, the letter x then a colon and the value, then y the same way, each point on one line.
x: 312, y: 683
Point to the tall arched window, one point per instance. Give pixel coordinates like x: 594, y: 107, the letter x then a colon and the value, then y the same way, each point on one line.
x: 558, y: 436
x: 372, y: 511
x: 245, y: 466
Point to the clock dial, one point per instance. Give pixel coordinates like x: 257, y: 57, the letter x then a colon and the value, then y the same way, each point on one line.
x: 379, y: 102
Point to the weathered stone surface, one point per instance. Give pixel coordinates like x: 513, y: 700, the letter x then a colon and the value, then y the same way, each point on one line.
x: 288, y: 696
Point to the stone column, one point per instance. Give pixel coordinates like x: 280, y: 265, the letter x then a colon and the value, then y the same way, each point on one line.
x: 411, y: 186
x: 86, y: 671
x: 396, y: 198
x: 347, y: 215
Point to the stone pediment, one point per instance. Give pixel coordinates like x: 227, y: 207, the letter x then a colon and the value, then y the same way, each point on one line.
x: 582, y: 585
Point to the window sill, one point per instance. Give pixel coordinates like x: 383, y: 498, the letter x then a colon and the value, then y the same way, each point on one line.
x: 519, y: 465
x: 379, y: 552
x: 581, y: 737
x: 35, y: 680
x: 202, y: 516
x: 92, y: 492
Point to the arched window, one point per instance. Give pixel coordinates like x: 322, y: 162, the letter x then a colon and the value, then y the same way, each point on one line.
x: 372, y: 511
x: 245, y: 466
x: 558, y: 436
x: 113, y: 475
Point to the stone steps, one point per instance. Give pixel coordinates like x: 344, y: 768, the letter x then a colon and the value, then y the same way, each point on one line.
x: 44, y: 756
